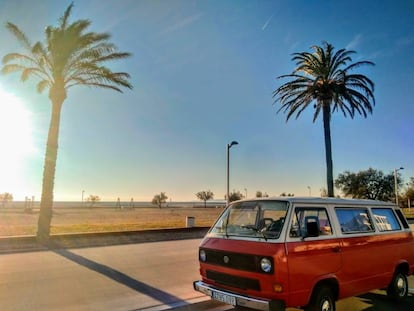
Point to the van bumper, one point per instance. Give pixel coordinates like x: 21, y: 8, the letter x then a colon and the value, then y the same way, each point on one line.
x: 238, y: 300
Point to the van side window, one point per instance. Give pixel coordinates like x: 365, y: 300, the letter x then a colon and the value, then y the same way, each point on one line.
x: 385, y: 219
x: 303, y: 216
x: 354, y: 220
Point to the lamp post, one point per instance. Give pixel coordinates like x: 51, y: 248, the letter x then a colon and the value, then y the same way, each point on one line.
x: 396, y: 183
x: 228, y: 167
x: 310, y: 191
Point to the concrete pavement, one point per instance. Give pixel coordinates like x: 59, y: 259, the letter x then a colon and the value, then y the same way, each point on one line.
x: 142, y: 276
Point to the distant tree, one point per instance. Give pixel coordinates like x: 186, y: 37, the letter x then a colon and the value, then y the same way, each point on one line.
x: 260, y: 194
x: 5, y: 198
x: 70, y: 55
x: 324, y: 192
x: 408, y: 195
x: 93, y: 199
x: 368, y: 184
x: 235, y: 195
x: 159, y: 199
x: 323, y: 80
x: 205, y: 196
x: 284, y: 194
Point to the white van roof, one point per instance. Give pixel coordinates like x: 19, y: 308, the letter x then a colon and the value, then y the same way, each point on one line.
x: 324, y: 200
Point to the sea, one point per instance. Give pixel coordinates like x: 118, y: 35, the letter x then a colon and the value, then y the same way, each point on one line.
x: 115, y: 204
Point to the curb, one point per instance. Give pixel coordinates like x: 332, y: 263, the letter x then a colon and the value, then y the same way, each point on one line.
x: 78, y: 240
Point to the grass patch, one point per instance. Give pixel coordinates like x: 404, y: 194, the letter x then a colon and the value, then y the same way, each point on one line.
x: 409, y: 213
x: 15, y: 222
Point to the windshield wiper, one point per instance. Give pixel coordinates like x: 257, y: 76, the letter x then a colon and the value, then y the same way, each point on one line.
x: 252, y: 227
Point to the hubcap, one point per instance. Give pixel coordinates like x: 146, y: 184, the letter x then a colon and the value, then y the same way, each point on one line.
x: 326, y: 305
x: 401, y: 288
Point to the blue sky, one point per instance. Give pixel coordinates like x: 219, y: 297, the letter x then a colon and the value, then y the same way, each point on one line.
x: 203, y: 75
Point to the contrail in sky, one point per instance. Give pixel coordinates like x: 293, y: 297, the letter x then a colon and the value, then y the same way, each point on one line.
x: 267, y: 22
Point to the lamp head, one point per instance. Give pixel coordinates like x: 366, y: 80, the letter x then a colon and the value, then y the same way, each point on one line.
x: 233, y: 143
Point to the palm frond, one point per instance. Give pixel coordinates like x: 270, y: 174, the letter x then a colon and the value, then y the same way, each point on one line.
x: 11, y: 68
x: 63, y: 20
x: 21, y: 58
x: 70, y: 54
x: 358, y: 64
x: 341, y: 58
x: 93, y: 84
x: 90, y: 71
x: 323, y: 77
x: 42, y: 85
x: 20, y: 36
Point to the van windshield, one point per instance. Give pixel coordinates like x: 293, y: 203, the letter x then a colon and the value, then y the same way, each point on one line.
x: 256, y: 219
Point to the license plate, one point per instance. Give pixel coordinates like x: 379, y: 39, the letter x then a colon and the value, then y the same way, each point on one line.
x: 224, y: 298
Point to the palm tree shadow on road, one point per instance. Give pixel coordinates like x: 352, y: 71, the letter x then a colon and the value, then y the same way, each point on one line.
x: 122, y: 278
x: 380, y: 302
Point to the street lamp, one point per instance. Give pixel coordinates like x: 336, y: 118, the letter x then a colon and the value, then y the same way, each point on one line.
x: 228, y: 167
x: 310, y: 191
x: 396, y: 183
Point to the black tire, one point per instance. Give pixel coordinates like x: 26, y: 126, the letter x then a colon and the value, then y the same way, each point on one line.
x: 322, y: 300
x: 398, y: 288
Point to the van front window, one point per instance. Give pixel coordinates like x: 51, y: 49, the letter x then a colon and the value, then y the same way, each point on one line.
x: 257, y: 219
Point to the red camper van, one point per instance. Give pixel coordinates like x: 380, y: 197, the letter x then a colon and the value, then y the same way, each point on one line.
x: 274, y: 253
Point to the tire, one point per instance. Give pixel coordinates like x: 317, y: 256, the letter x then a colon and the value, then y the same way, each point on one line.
x: 322, y: 300
x: 398, y: 288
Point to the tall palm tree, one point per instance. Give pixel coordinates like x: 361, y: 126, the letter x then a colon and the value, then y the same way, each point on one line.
x: 69, y: 56
x: 323, y: 78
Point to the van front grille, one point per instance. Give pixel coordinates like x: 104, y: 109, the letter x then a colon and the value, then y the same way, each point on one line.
x: 233, y: 281
x: 245, y: 262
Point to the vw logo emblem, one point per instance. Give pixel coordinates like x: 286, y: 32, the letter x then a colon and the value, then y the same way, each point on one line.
x: 226, y: 259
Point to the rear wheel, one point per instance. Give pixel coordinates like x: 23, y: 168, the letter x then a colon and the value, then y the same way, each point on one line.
x: 322, y: 300
x: 398, y: 288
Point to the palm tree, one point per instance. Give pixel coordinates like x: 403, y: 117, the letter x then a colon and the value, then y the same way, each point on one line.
x: 323, y: 78
x: 70, y: 56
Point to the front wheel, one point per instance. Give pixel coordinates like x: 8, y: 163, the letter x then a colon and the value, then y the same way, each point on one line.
x: 398, y: 288
x: 322, y: 300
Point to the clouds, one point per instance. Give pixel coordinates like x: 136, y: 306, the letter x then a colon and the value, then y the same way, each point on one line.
x: 267, y: 22
x: 183, y: 23
x: 355, y: 42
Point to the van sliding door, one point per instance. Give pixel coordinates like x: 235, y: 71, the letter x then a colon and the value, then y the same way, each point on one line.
x: 311, y: 255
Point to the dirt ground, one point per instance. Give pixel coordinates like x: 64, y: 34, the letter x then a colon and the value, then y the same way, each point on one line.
x: 15, y: 222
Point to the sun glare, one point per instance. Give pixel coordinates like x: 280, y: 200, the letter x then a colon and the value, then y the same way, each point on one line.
x: 16, y: 139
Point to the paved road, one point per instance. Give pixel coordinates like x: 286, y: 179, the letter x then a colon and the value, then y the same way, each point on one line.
x: 373, y: 301
x: 146, y: 276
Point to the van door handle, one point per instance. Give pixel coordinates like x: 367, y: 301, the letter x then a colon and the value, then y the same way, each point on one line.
x: 336, y: 249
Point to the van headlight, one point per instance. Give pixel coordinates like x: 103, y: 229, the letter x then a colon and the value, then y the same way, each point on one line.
x: 266, y: 265
x: 202, y: 255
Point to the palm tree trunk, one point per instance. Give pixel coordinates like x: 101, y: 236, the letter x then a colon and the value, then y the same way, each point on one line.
x: 46, y: 203
x: 328, y: 148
